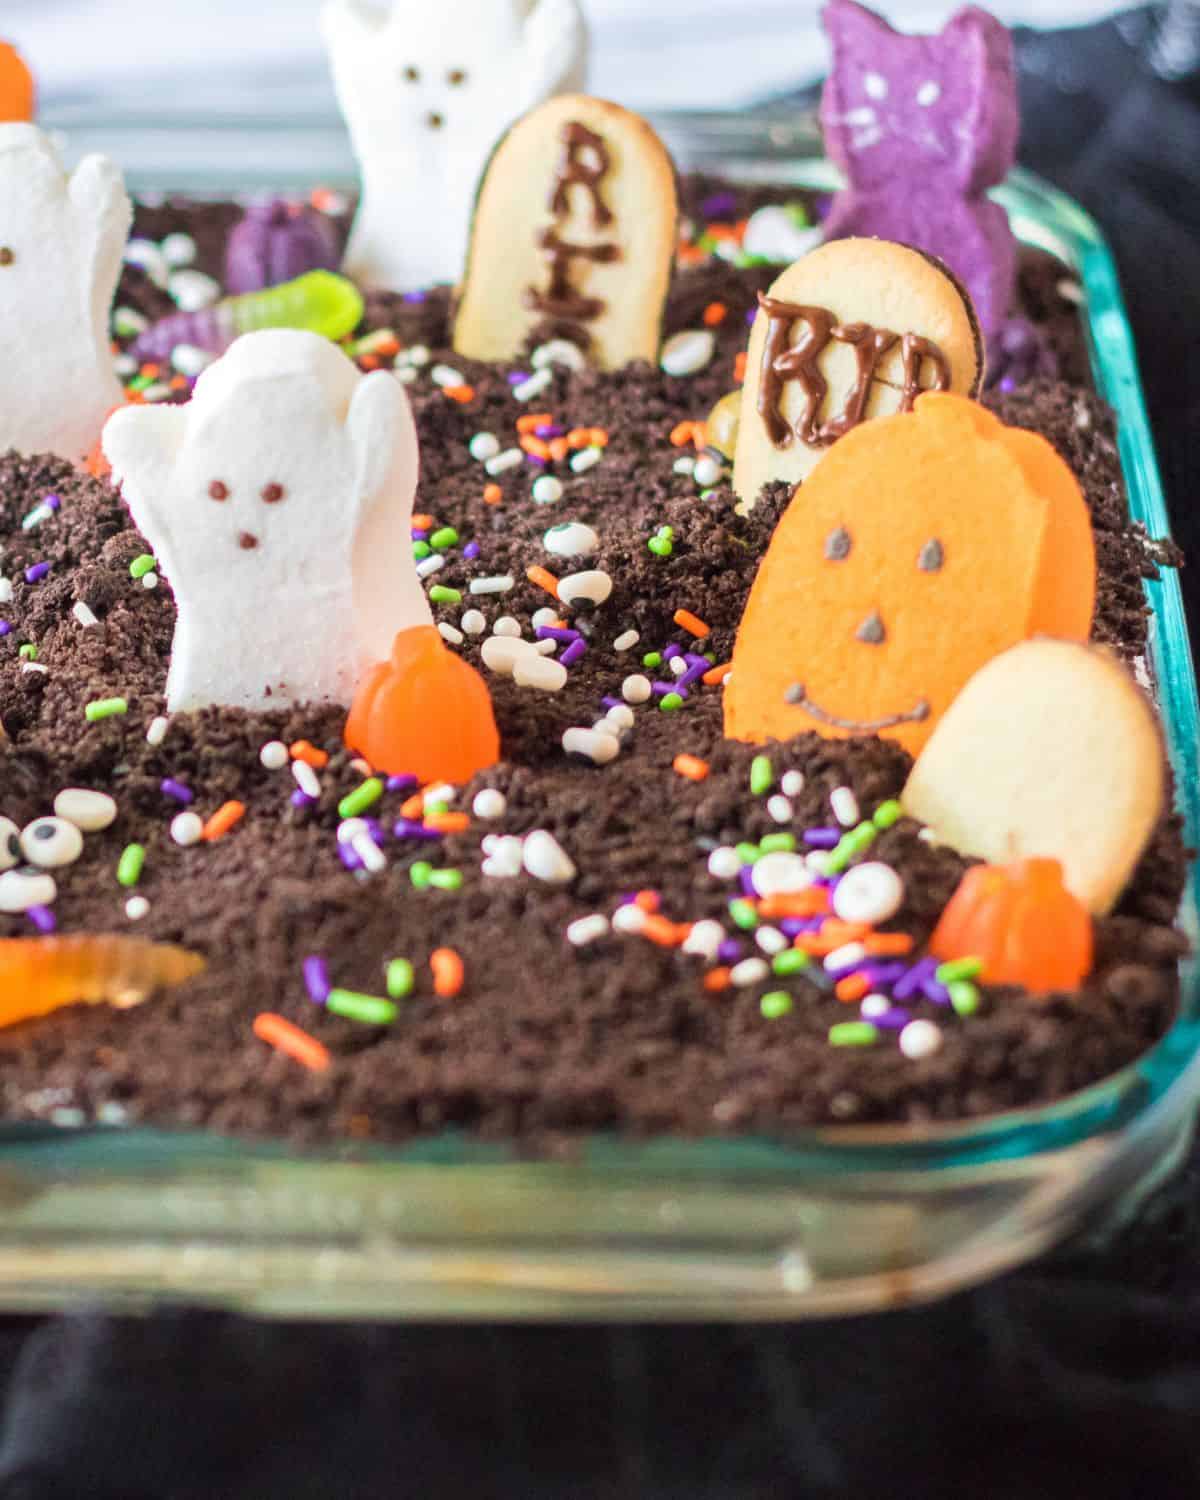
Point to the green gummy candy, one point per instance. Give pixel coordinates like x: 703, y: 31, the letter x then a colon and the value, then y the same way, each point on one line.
x: 318, y: 302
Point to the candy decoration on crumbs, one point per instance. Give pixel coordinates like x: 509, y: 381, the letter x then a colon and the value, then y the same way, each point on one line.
x: 278, y: 240
x: 41, y: 975
x: 922, y: 127
x: 923, y: 545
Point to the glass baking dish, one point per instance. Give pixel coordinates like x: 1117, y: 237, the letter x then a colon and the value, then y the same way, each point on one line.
x: 833, y: 1221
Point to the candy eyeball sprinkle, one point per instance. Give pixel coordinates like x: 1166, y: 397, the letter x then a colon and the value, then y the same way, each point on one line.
x: 10, y: 844
x: 51, y: 843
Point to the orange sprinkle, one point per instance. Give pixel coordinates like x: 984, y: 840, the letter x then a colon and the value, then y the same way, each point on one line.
x: 369, y: 362
x: 448, y: 822
x: 739, y: 367
x: 447, y: 968
x: 559, y: 449
x: 691, y: 766
x: 578, y: 437
x: 816, y: 944
x: 663, y: 932
x: 413, y: 807
x: 853, y: 987
x: 809, y: 903
x: 888, y: 944
x: 531, y: 421
x: 598, y: 437
x: 492, y: 494
x: 647, y: 901
x: 309, y: 754
x: 717, y: 979
x: 151, y: 371
x: 699, y: 435
x: 388, y: 347
x: 844, y: 932
x: 297, y: 1044
x: 424, y: 522
x: 463, y: 394
x: 543, y: 578
x: 535, y: 446
x: 715, y: 314
x: 689, y: 255
x: 715, y: 676
x: 693, y: 624
x: 681, y: 434
x: 323, y: 198
x: 222, y: 821
x: 721, y: 231
x: 178, y: 382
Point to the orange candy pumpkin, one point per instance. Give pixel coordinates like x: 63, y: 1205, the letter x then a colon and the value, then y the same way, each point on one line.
x: 922, y: 545
x: 16, y: 86
x: 1023, y: 922
x: 425, y: 712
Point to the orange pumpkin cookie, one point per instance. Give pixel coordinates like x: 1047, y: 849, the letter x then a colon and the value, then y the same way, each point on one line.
x: 16, y: 87
x: 853, y: 331
x: 925, y: 544
x: 1051, y: 750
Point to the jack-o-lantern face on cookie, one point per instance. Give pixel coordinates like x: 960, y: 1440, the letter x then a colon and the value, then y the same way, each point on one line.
x: 924, y: 545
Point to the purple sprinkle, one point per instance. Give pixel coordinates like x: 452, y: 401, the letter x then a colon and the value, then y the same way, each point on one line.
x: 746, y: 877
x: 37, y: 572
x: 1007, y: 384
x: 661, y: 689
x: 891, y: 1020
x: 884, y: 974
x: 794, y: 926
x: 846, y: 968
x: 573, y: 652
x: 406, y: 828
x: 751, y: 314
x: 375, y: 830
x: 729, y: 951
x: 718, y: 205
x: 419, y: 533
x: 171, y: 788
x: 316, y: 978
x: 557, y: 633
x: 349, y: 858
x: 53, y: 501
x: 302, y: 799
x: 672, y: 651
x: 42, y: 918
x: 935, y: 990
x: 471, y: 551
x: 517, y: 377
x: 611, y: 702
x: 402, y: 783
x: 5, y: 628
x: 548, y: 430
x: 693, y: 674
x: 823, y: 838
x: 417, y: 296
x: 538, y: 463
x: 907, y: 987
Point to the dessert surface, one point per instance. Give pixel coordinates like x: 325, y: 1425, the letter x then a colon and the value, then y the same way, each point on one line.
x: 543, y: 1036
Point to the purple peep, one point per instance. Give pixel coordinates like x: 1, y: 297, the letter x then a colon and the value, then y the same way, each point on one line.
x: 922, y: 126
x: 277, y: 241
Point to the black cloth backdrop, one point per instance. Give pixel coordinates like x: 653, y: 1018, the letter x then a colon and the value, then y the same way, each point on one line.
x: 1077, y: 1376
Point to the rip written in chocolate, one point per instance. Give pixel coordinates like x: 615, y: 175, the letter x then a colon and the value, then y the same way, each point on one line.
x: 783, y: 363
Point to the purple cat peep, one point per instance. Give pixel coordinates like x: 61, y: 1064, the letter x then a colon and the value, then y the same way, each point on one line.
x: 922, y: 126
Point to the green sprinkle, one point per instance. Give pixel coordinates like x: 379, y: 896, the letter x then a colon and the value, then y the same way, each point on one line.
x: 652, y: 659
x: 958, y: 968
x: 762, y: 775
x: 355, y: 1007
x: 964, y: 997
x: 140, y: 382
x: 799, y: 214
x: 141, y: 565
x: 443, y: 537
x: 667, y: 533
x: 421, y: 550
x: 853, y: 1034
x: 670, y: 702
x: 887, y: 813
x: 419, y: 873
x: 446, y: 880
x: 355, y: 803
x: 775, y: 1003
x: 743, y: 914
x: 440, y: 594
x: 778, y: 843
x: 28, y: 652
x: 660, y: 546
x: 747, y: 853
x: 432, y: 808
x: 105, y: 708
x: 129, y: 866
x: 861, y: 838
x: 399, y: 978
x: 790, y: 961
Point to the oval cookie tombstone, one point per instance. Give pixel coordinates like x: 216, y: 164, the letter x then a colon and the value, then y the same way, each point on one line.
x: 573, y: 237
x: 856, y: 330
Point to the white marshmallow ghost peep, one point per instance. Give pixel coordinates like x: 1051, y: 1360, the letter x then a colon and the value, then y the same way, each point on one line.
x: 427, y: 90
x: 279, y: 504
x: 61, y: 241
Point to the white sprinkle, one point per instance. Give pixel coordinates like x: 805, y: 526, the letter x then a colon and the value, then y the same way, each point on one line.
x: 274, y: 755
x: 817, y: 861
x: 186, y: 828
x: 870, y: 892
x: 545, y: 858
x: 124, y: 366
x: 929, y: 93
x: 540, y: 672
x: 503, y: 857
x: 193, y: 291
x: 190, y: 359
x: 306, y: 778
x: 90, y: 811
x: 705, y: 938
x: 473, y: 622
x: 558, y: 352
x: 547, y: 490
x: 920, y: 1039
x: 418, y: 355
x: 792, y: 783
x: 843, y: 957
x: 770, y: 940
x: 127, y: 322
x: 773, y: 233
x: 150, y: 580
x: 621, y: 716
x: 6, y: 592
x: 685, y: 465
x: 148, y: 257
x: 678, y: 666
x: 534, y: 386
x: 724, y: 863
x: 370, y: 854
x: 112, y: 1113
x: 585, y: 930
x: 511, y: 458
x: 779, y: 808
x: 1070, y: 291
x: 845, y: 806
x: 606, y: 726
x: 749, y: 971
x: 447, y: 375
x: 19, y: 891
x: 363, y: 767
x: 593, y: 585
x: 571, y: 539
x: 136, y: 908
x: 544, y: 616
x: 84, y: 614
x: 157, y: 732
x: 599, y: 748
x: 629, y: 918
x: 626, y: 641
x: 636, y: 688
x: 441, y: 791
x: 506, y: 625
x: 35, y: 666
x: 873, y: 1006
x: 708, y: 471
x: 502, y: 652
x: 483, y: 445
x: 499, y: 583
x: 489, y: 804
x: 585, y: 459
x: 927, y: 836
x: 159, y: 391
x: 875, y: 85
x: 405, y: 374
x: 688, y: 352
x: 428, y: 566
x: 67, y: 1117
x: 178, y: 250
x: 780, y: 873
x: 450, y: 633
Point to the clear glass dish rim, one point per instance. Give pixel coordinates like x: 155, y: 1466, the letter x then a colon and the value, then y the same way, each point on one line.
x: 782, y: 146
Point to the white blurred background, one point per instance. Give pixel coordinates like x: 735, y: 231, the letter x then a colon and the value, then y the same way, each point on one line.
x: 188, y: 56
